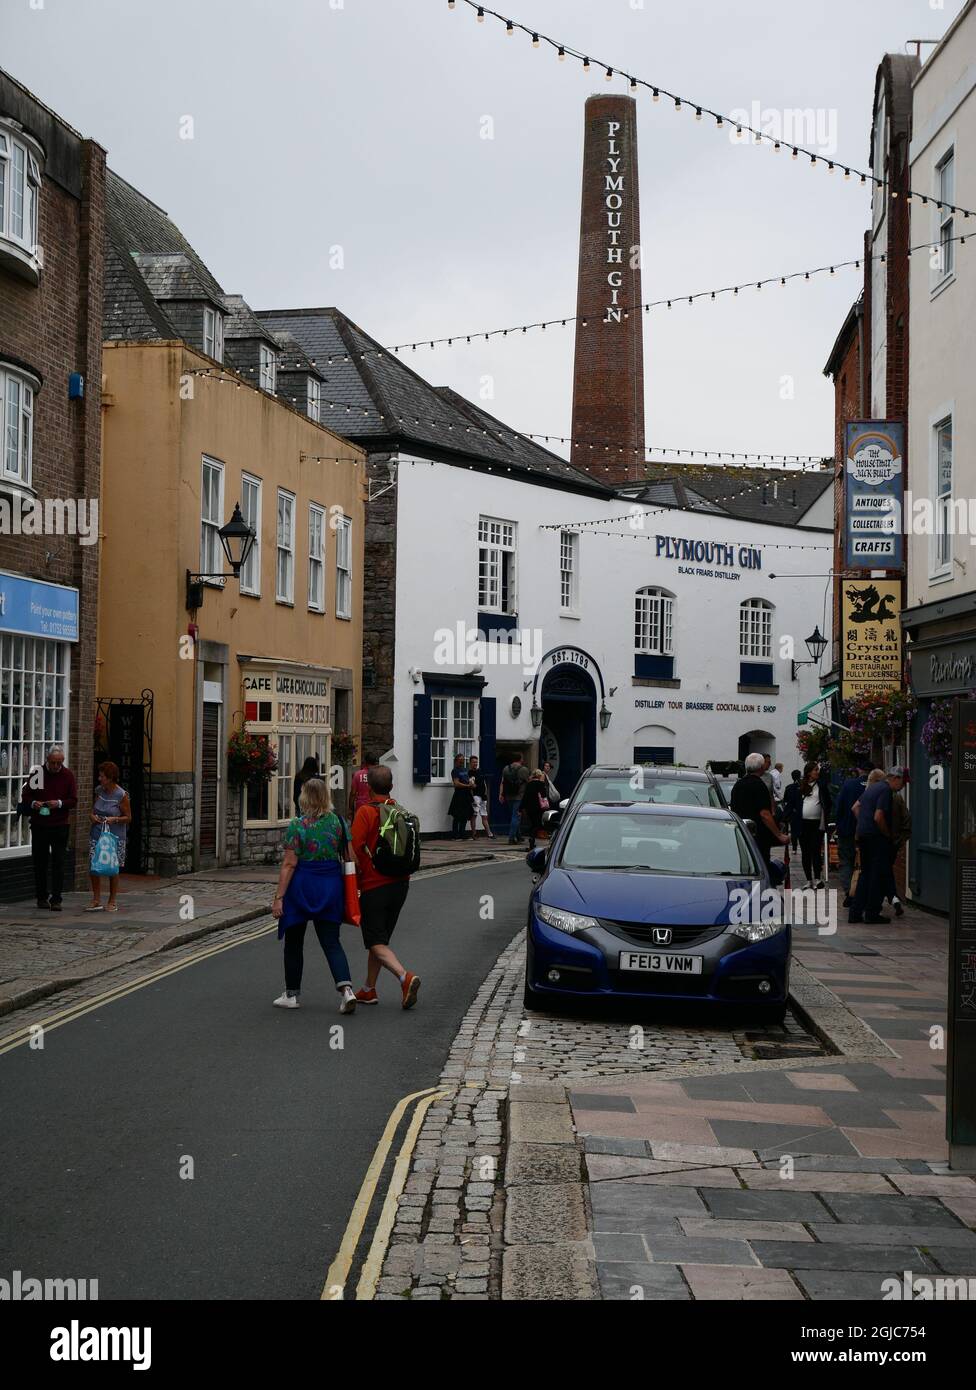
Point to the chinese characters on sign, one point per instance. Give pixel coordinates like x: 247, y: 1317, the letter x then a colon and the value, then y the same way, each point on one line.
x: 871, y: 635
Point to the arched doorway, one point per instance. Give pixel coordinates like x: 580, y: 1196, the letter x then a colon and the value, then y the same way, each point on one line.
x: 757, y: 741
x: 567, y: 737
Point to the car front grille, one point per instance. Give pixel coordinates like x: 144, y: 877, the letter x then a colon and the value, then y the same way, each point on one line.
x: 642, y: 934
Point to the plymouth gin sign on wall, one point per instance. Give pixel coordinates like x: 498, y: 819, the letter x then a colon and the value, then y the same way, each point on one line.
x: 874, y: 493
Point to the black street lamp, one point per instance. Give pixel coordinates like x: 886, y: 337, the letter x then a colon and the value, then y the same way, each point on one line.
x: 536, y: 713
x: 816, y: 646
x: 236, y: 540
x: 605, y: 716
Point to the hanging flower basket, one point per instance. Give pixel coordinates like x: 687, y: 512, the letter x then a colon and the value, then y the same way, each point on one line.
x: 880, y: 716
x: 343, y: 746
x: 936, y: 735
x: 251, y: 760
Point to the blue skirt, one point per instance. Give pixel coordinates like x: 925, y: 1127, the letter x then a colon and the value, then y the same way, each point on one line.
x: 316, y: 893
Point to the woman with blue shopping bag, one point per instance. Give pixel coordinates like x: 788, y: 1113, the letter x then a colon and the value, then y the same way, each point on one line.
x: 110, y: 817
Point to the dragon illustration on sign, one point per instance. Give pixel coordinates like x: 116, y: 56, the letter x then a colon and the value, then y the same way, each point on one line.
x: 867, y: 606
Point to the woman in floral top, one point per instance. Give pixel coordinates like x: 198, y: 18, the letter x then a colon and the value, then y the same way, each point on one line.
x: 310, y: 888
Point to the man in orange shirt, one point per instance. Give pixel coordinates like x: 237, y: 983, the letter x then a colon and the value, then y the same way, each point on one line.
x: 380, y: 898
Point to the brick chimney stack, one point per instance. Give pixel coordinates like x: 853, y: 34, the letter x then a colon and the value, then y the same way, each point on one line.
x: 608, y: 379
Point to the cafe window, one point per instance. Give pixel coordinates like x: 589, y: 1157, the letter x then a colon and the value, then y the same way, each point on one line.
x: 33, y: 714
x: 294, y: 712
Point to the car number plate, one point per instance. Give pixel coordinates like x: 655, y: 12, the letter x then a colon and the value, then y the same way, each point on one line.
x: 661, y: 963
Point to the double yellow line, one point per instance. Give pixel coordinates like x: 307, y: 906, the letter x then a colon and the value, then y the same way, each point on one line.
x: 338, y: 1274
x: 335, y: 1281
x: 86, y: 1006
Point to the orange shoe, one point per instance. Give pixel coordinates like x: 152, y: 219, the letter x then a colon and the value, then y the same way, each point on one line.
x: 367, y: 996
x: 411, y: 985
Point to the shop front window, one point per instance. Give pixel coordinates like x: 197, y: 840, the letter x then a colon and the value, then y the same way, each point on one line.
x: 33, y: 715
x: 294, y: 712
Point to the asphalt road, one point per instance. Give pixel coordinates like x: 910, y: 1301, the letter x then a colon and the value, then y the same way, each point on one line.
x: 280, y: 1126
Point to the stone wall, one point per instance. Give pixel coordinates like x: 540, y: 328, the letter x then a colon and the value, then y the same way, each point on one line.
x: 379, y: 613
x: 262, y: 844
x: 170, y: 824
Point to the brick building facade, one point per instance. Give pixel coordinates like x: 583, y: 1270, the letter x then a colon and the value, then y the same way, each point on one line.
x: 608, y: 379
x: 51, y: 266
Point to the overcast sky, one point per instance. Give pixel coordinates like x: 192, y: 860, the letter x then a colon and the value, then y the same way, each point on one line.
x: 320, y: 124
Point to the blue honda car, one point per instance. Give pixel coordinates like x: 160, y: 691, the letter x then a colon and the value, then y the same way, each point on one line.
x: 646, y: 902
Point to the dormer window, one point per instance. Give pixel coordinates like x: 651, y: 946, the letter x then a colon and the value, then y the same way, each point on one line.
x: 20, y: 190
x: 213, y: 334
x: 266, y: 379
x: 314, y: 401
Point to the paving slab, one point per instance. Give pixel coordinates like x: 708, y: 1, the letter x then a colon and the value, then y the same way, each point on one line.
x: 742, y: 1205
x: 728, y: 1283
x: 642, y: 1282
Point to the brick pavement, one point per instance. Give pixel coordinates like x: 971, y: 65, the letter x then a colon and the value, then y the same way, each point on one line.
x: 812, y: 1181
x: 698, y: 1169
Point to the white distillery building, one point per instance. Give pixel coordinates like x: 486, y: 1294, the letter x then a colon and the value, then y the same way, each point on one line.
x: 515, y: 603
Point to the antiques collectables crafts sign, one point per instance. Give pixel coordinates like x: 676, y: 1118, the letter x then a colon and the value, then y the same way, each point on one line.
x: 874, y: 495
x: 872, y: 636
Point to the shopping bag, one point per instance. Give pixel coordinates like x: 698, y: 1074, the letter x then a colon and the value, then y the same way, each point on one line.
x: 105, y: 855
x: 351, y: 888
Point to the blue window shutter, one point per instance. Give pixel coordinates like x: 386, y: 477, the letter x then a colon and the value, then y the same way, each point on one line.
x: 486, y: 747
x: 421, y: 738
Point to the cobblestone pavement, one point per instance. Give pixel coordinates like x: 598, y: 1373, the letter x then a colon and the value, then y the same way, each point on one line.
x: 715, y: 1164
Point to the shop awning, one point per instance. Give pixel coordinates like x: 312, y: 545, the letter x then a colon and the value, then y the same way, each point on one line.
x: 828, y: 694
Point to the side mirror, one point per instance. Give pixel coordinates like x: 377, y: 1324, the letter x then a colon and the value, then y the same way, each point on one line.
x: 552, y: 818
x: 536, y: 860
x: 564, y: 803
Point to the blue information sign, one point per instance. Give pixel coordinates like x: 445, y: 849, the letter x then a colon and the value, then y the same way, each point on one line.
x: 874, y: 473
x: 38, y: 609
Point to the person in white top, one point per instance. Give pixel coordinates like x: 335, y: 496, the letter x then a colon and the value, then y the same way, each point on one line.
x: 777, y: 775
x: 812, y: 812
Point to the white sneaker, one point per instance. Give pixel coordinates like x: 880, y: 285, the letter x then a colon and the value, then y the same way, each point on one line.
x: 347, y: 1004
x: 286, y: 1001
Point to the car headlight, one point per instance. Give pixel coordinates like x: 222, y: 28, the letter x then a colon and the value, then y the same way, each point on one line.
x: 757, y: 931
x: 570, y: 922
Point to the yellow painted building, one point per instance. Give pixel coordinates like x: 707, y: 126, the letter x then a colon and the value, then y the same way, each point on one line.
x: 184, y: 440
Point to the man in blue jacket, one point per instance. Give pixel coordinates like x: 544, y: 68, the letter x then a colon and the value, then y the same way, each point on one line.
x: 850, y: 793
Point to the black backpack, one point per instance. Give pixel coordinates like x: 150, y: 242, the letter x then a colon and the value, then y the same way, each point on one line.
x: 397, y: 852
x: 511, y: 783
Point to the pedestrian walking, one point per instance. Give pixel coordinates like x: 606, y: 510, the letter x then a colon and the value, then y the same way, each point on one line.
x: 50, y: 794
x: 901, y: 831
x: 791, y: 804
x: 514, y: 777
x: 461, y: 808
x: 752, y: 799
x: 310, y: 889
x: 809, y: 818
x: 309, y: 769
x: 481, y: 807
x: 850, y: 793
x: 776, y: 773
x: 535, y: 803
x: 874, y: 836
x: 111, y: 812
x: 359, y: 792
x: 381, y: 838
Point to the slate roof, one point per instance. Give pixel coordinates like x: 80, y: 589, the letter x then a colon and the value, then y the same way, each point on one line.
x: 242, y: 323
x: 384, y: 403
x: 171, y: 275
x: 770, y: 496
x: 294, y: 358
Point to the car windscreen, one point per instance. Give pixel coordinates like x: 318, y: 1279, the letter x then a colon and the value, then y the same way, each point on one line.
x: 644, y: 785
x: 693, y: 846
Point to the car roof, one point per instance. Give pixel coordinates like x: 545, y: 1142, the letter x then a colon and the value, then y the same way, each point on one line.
x: 691, y: 774
x: 655, y: 808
